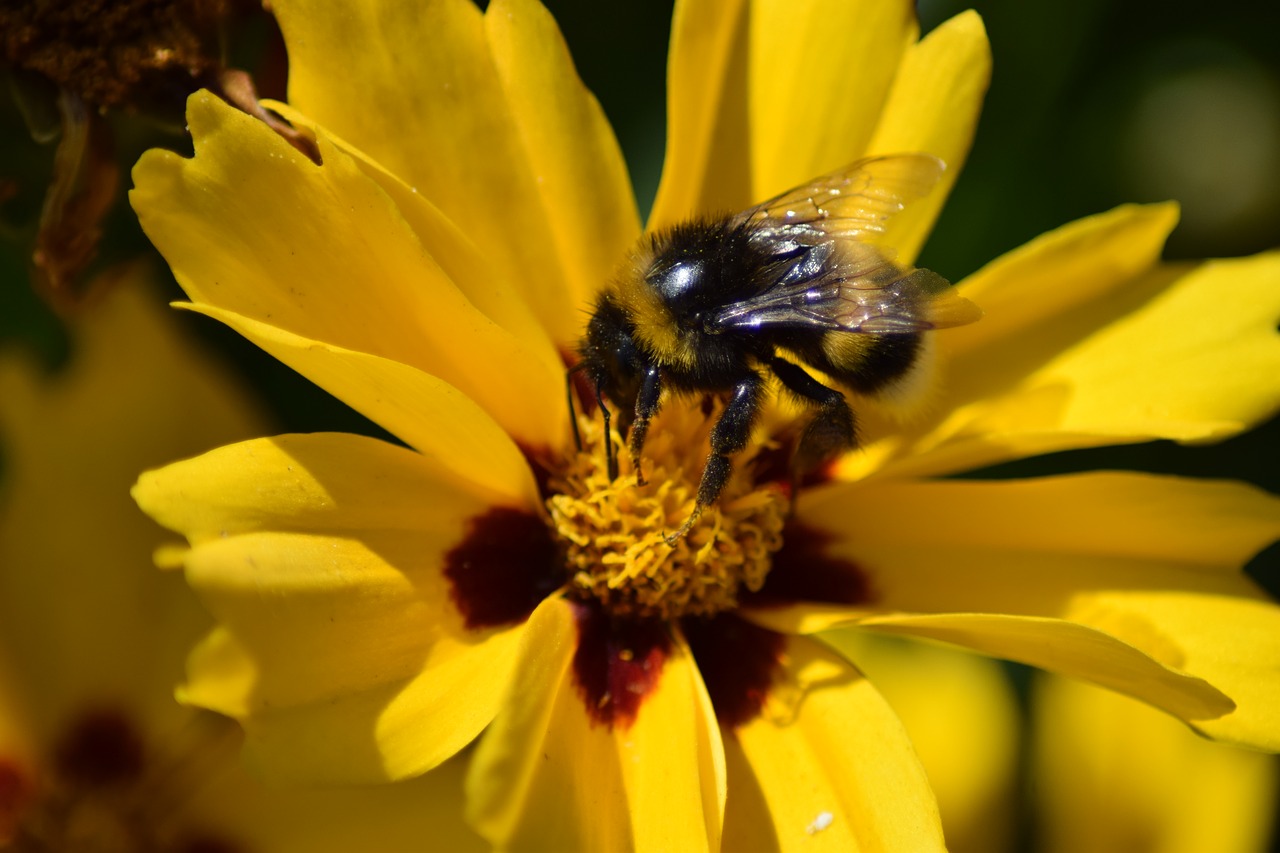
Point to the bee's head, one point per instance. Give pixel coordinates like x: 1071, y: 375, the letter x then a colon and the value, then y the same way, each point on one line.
x: 610, y: 356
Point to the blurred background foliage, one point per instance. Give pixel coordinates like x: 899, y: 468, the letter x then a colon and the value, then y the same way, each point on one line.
x: 1092, y: 104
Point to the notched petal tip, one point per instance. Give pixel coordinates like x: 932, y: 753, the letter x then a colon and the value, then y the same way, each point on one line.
x: 239, y: 90
x: 209, y: 115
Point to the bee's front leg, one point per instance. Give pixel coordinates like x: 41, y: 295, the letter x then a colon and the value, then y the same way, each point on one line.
x: 729, y: 435
x: 646, y: 407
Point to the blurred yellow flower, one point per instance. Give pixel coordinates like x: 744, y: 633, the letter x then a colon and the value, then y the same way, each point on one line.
x: 1145, y: 782
x: 95, y: 755
x: 380, y: 606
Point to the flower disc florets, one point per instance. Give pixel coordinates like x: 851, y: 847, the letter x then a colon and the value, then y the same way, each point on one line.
x: 616, y: 534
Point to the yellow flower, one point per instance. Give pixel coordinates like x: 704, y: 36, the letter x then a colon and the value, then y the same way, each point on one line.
x: 380, y: 606
x: 95, y: 754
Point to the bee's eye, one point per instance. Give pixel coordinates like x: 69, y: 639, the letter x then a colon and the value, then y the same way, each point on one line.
x: 677, y: 279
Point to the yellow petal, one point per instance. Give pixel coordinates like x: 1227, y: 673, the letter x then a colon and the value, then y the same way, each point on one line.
x: 826, y: 766
x: 1234, y: 643
x: 432, y: 92
x: 764, y: 95
x: 397, y: 817
x: 962, y: 716
x: 575, y: 160
x: 221, y: 675
x: 319, y: 483
x: 933, y: 106
x: 549, y: 775
x: 1023, y: 295
x: 1027, y: 290
x: 818, y: 76
x: 467, y: 265
x: 1195, y: 532
x: 1186, y: 352
x: 83, y: 614
x: 1146, y: 568
x: 706, y: 70
x: 1141, y: 776
x: 345, y: 650
x: 1198, y: 362
x: 251, y: 226
x: 443, y: 424
x: 1069, y: 649
x: 354, y: 731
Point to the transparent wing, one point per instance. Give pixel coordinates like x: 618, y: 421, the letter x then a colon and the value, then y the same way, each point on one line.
x: 851, y: 287
x: 829, y: 270
x: 855, y: 203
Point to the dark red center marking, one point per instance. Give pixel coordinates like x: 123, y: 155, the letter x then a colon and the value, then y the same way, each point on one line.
x: 99, y: 759
x: 504, y: 567
x: 803, y: 570
x: 774, y: 465
x: 101, y: 748
x: 738, y: 662
x: 17, y: 790
x: 617, y: 664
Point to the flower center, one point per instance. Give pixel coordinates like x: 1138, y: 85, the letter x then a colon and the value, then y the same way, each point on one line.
x: 615, y: 533
x: 105, y: 789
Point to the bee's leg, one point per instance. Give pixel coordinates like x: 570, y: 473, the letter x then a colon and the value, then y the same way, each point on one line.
x: 610, y: 456
x: 729, y: 435
x: 646, y: 408
x: 830, y: 432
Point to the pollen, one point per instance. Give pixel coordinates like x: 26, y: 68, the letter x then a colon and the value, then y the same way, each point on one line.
x: 617, y: 535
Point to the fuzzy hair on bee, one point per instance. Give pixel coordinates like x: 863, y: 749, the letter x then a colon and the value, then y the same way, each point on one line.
x: 717, y: 305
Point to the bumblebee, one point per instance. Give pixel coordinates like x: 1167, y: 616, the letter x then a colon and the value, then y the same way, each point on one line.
x: 715, y: 306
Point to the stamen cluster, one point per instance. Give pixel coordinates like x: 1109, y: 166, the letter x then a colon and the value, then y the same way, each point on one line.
x: 616, y: 534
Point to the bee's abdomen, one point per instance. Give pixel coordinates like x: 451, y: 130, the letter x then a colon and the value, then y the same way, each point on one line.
x: 870, y: 365
x: 884, y: 361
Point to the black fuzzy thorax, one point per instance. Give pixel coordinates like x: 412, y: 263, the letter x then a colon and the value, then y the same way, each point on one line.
x: 698, y: 268
x: 702, y: 266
